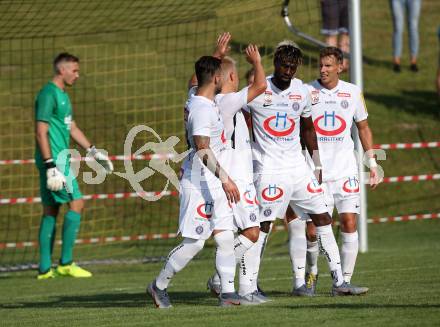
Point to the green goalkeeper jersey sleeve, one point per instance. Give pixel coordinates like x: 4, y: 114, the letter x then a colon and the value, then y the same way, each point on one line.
x: 52, y: 105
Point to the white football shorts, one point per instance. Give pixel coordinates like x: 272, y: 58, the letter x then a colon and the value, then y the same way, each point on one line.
x: 203, y: 209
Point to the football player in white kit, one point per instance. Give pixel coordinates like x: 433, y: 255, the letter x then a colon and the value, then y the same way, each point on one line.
x: 335, y: 105
x: 282, y: 175
x: 206, y: 190
x: 198, y: 220
x: 240, y: 169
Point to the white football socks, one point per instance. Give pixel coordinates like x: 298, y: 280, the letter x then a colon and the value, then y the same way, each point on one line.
x: 298, y: 249
x: 241, y: 245
x: 246, y: 267
x: 225, y: 260
x: 256, y: 260
x: 177, y: 259
x: 329, y: 247
x: 312, y: 257
x: 349, y: 251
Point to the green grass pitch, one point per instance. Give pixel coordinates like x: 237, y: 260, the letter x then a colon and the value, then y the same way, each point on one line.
x: 401, y: 270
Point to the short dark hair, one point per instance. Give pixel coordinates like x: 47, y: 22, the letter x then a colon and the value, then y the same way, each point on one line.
x: 288, y: 53
x: 332, y: 51
x: 63, y: 57
x: 206, y: 67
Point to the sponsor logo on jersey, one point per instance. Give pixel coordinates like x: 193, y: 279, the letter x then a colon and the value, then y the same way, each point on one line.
x: 279, y: 125
x: 267, y: 99
x: 344, y: 104
x: 315, y: 97
x: 248, y: 197
x: 314, y: 187
x: 204, y: 210
x: 68, y: 122
x: 344, y: 95
x: 222, y: 137
x: 295, y: 97
x: 272, y: 193
x: 329, y: 124
x: 351, y: 185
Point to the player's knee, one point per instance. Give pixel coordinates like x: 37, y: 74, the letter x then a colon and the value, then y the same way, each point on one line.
x: 252, y: 234
x: 290, y: 214
x: 77, y: 205
x: 348, y: 225
x: 51, y: 211
x: 311, y: 232
x: 265, y: 226
x: 225, y: 241
x: 321, y: 219
x: 196, y: 245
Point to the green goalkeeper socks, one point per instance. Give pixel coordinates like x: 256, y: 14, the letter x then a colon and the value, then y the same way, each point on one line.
x: 70, y: 230
x: 46, y: 238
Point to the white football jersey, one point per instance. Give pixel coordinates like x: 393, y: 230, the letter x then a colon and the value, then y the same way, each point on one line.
x: 275, y: 130
x: 202, y: 118
x: 237, y: 134
x: 333, y: 112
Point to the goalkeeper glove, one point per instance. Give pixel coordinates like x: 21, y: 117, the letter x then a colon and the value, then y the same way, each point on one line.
x: 100, y: 158
x: 55, y: 179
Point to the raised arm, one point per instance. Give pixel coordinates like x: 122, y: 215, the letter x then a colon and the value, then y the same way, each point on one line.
x: 259, y: 85
x: 221, y: 49
x: 209, y: 160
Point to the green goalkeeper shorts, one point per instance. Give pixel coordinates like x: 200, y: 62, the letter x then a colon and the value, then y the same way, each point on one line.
x: 69, y: 193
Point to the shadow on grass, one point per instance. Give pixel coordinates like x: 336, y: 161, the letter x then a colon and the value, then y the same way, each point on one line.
x: 114, y: 300
x: 413, y: 102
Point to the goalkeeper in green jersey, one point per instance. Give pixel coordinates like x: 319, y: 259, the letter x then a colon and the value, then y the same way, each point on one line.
x: 54, y: 127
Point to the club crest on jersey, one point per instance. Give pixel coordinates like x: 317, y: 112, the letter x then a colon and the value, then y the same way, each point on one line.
x: 330, y: 124
x: 267, y: 98
x: 295, y: 106
x: 279, y: 125
x: 199, y: 230
x: 351, y: 185
x: 267, y: 212
x: 344, y: 104
x: 253, y: 217
x: 204, y: 210
x: 272, y: 193
x: 314, y: 187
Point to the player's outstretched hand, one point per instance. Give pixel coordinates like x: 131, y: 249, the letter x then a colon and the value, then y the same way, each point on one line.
x: 374, y: 178
x: 252, y: 54
x: 100, y: 158
x: 231, y: 191
x: 222, y: 47
x: 55, y: 179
